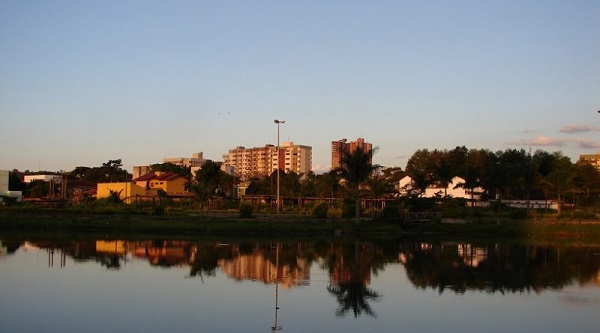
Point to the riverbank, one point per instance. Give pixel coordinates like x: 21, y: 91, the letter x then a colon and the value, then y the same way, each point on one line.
x: 115, y: 225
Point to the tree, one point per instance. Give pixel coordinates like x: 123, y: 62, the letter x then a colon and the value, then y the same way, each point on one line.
x: 170, y: 167
x: 111, y: 171
x: 560, y: 178
x: 356, y: 167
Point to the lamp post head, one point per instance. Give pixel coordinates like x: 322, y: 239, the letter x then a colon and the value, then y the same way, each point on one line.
x: 279, y: 121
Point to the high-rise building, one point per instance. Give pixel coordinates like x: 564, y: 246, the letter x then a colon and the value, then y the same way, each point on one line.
x: 341, y: 147
x: 262, y: 161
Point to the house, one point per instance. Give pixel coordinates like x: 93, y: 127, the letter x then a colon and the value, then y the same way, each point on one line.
x: 169, y: 182
x: 436, y: 190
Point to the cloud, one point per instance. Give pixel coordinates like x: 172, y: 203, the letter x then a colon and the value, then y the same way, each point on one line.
x: 543, y: 141
x: 587, y: 144
x: 320, y: 169
x: 579, y: 129
x: 528, y: 131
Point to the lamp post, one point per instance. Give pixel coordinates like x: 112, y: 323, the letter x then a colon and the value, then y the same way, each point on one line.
x: 278, y: 122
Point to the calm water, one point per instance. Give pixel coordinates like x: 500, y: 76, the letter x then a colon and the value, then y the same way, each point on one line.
x: 334, y: 286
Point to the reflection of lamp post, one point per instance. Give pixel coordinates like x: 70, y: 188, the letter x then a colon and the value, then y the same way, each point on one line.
x: 276, y: 327
x: 278, y: 162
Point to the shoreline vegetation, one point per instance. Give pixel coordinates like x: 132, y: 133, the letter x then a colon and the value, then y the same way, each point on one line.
x: 582, y: 228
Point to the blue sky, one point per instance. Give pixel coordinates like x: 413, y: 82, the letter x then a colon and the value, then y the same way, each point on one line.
x: 82, y: 82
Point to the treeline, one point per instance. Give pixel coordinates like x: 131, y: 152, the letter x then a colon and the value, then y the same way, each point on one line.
x: 508, y: 174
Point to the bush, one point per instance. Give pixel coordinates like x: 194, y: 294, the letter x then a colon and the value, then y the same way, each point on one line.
x: 349, y: 208
x: 320, y: 210
x: 8, y: 201
x: 455, y: 208
x: 391, y: 213
x: 246, y: 210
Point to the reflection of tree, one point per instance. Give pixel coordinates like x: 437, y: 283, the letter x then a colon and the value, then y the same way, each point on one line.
x: 503, y: 268
x: 350, y: 267
x: 204, y: 258
x: 459, y: 267
x: 353, y: 295
x: 111, y: 261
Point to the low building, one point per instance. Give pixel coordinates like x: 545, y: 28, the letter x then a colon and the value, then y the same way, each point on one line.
x: 127, y: 191
x: 169, y: 182
x: 4, y: 189
x: 436, y: 190
x: 47, y: 178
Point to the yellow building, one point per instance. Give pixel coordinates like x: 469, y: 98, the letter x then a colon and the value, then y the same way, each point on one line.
x: 127, y: 191
x: 169, y: 182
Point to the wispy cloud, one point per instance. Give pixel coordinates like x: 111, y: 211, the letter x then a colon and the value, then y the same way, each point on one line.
x: 587, y: 144
x: 571, y: 129
x: 543, y: 141
x: 540, y: 141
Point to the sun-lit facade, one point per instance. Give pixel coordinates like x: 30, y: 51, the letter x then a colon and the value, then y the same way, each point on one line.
x: 261, y: 161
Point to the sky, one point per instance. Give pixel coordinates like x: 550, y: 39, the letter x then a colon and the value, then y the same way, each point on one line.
x: 83, y: 82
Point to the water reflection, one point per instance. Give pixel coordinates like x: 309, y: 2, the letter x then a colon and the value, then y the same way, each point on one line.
x: 350, y: 265
x: 502, y: 268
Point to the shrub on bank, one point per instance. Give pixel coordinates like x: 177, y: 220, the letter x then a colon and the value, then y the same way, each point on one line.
x: 246, y: 209
x: 320, y: 210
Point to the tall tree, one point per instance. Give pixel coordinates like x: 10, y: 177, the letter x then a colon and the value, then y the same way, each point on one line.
x: 560, y: 178
x: 355, y: 169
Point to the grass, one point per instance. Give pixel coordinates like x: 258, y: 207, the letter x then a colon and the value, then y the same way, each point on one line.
x: 180, y: 223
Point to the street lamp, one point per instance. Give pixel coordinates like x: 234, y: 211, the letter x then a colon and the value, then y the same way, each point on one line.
x: 278, y: 163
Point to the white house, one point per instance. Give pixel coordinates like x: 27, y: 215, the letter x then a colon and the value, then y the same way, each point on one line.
x: 436, y: 190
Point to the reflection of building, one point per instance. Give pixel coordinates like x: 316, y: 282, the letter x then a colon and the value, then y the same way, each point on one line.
x: 262, y: 161
x: 341, y: 147
x: 472, y: 255
x: 112, y: 247
x: 258, y: 268
x: 168, y: 254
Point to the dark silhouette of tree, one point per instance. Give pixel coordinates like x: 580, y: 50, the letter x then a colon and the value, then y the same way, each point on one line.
x: 353, y: 295
x: 355, y: 169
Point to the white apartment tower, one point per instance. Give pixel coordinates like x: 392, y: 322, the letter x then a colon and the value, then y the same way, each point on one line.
x: 261, y: 161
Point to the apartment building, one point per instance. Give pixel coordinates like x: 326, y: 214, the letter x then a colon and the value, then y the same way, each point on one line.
x: 340, y: 147
x: 593, y: 159
x: 261, y: 161
x: 195, y: 161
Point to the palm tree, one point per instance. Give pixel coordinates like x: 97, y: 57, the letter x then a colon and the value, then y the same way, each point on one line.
x: 356, y: 167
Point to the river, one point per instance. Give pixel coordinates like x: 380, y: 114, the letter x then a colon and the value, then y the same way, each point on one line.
x: 338, y: 285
